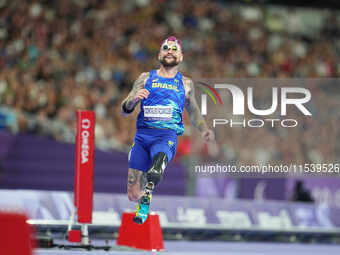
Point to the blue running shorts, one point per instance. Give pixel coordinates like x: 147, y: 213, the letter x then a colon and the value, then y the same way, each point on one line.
x: 148, y: 142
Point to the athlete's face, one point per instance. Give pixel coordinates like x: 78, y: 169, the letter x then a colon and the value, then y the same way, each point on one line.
x: 170, y: 54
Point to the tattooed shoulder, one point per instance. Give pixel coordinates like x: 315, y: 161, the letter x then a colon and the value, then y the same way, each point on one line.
x: 140, y: 82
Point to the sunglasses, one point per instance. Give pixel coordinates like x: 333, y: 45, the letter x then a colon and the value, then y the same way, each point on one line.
x: 167, y: 47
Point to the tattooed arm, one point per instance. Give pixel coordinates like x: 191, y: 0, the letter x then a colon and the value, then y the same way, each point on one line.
x: 192, y: 108
x: 137, y: 93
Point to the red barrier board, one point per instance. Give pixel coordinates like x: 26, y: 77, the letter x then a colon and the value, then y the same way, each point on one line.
x: 15, y: 234
x: 84, y: 163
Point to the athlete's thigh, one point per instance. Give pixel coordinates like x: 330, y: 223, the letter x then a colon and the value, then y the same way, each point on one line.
x: 139, y: 155
x: 167, y: 144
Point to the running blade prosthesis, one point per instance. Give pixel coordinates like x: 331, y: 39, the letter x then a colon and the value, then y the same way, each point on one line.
x: 143, y: 206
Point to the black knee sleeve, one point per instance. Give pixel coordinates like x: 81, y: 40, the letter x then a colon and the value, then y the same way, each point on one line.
x: 154, y: 175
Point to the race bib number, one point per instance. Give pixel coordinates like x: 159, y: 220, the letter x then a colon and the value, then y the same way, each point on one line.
x: 158, y: 112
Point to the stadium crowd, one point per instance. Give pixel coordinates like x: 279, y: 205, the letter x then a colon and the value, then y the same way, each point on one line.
x: 60, y: 56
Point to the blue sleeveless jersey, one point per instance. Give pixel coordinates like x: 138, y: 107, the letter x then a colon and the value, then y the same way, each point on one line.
x: 164, y: 106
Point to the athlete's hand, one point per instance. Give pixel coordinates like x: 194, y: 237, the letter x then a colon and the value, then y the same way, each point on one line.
x: 141, y: 94
x: 208, y: 135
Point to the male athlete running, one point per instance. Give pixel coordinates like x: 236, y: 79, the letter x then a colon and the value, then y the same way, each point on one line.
x: 163, y: 94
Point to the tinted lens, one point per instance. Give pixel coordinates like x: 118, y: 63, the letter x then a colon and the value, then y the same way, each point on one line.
x: 165, y: 47
x: 174, y: 48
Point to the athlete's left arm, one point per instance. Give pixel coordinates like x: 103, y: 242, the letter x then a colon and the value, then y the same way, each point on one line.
x: 192, y: 108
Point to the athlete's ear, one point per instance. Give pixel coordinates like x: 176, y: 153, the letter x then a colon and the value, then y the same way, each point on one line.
x: 181, y: 57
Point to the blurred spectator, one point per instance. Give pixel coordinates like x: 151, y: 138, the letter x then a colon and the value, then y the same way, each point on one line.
x: 8, y: 120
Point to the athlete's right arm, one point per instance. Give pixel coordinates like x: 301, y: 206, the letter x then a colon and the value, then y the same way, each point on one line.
x: 137, y: 93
